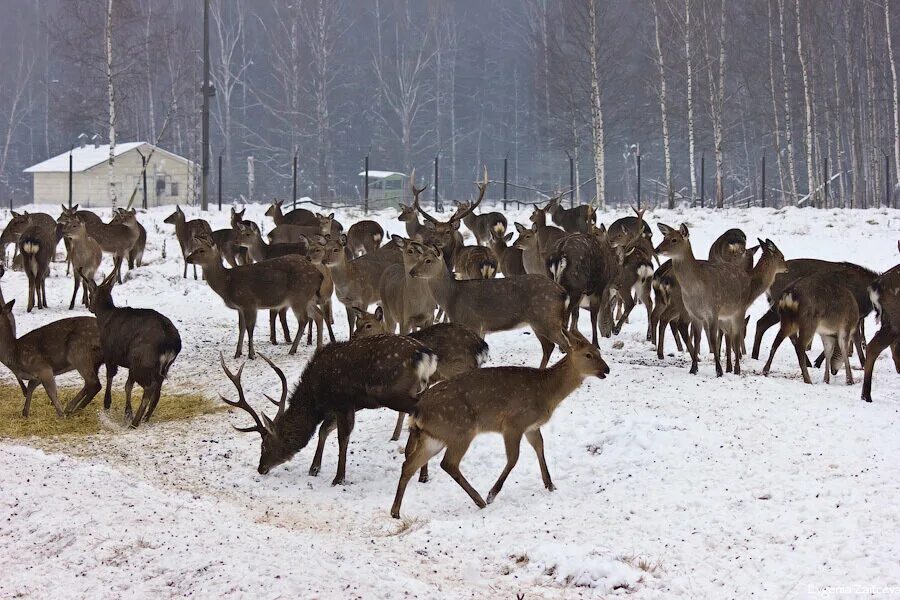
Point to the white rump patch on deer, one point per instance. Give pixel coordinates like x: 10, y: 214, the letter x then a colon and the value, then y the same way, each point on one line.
x: 500, y: 228
x: 645, y: 271
x: 30, y: 248
x: 875, y: 297
x: 557, y: 269
x: 426, y: 365
x: 488, y: 271
x: 788, y: 302
x: 377, y: 238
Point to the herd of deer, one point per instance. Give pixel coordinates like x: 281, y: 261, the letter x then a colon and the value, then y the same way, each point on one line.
x: 421, y: 352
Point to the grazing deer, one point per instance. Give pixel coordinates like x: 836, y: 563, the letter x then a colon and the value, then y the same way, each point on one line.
x: 509, y: 259
x: 298, y: 216
x: 885, y: 294
x: 186, y: 231
x: 340, y: 379
x: 285, y: 282
x: 84, y: 255
x: 443, y: 234
x: 138, y: 339
x: 573, y: 220
x: 457, y: 349
x: 71, y: 344
x: 482, y: 226
x: 488, y: 305
x: 364, y: 237
x: 37, y: 244
x: 512, y: 401
x: 817, y: 304
x: 136, y: 254
x: 474, y: 262
x: 407, y: 300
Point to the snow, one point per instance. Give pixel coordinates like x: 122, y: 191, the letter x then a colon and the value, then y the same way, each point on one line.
x: 84, y: 158
x: 668, y: 485
x: 381, y: 174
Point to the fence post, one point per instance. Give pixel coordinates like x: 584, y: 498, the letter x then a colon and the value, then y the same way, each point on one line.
x: 703, y: 179
x: 294, y: 179
x: 366, y: 187
x: 505, y: 164
x: 218, y: 188
x: 825, y: 191
x: 70, y: 182
x: 571, y: 180
x: 887, y: 180
x: 763, y: 188
x: 144, y: 178
x: 437, y: 206
x: 638, y: 158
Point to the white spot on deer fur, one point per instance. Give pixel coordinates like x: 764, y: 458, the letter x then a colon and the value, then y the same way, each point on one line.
x: 560, y: 268
x: 645, y: 271
x: 499, y: 227
x: 875, y: 297
x: 788, y: 302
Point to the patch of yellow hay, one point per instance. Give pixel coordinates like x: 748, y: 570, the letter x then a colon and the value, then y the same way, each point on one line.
x: 43, y: 422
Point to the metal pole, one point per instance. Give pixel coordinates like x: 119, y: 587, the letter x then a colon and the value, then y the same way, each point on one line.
x: 638, y: 180
x: 703, y: 179
x: 294, y: 178
x: 763, y: 189
x: 204, y: 157
x: 143, y: 176
x: 571, y: 182
x: 366, y: 188
x: 825, y: 199
x: 505, y: 164
x: 437, y: 206
x: 219, y: 187
x: 70, y: 179
x: 887, y: 180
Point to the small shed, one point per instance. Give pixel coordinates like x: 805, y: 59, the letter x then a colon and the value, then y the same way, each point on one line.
x: 386, y: 188
x: 168, y: 176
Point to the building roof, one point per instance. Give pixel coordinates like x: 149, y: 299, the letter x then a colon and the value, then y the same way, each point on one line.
x: 89, y: 156
x: 381, y: 174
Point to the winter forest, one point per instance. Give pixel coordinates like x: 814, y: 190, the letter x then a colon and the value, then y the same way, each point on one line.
x: 707, y: 88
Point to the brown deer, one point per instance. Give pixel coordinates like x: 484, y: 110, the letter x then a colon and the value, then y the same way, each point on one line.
x: 298, y: 216
x: 36, y: 245
x: 84, y: 255
x: 186, y: 231
x: 22, y: 221
x: 258, y: 250
x: 625, y: 229
x: 409, y: 216
x: 512, y: 401
x: 136, y: 254
x: 457, y: 349
x: 536, y: 245
x: 291, y: 234
x: 885, y: 295
x: 489, y: 305
x: 482, y: 226
x: 285, y: 282
x: 817, y: 304
x: 139, y: 339
x: 407, y: 300
x: 40, y: 355
x: 116, y: 238
x: 364, y: 237
x: 340, y: 379
x: 474, y: 262
x: 548, y: 235
x: 668, y: 310
x: 579, y: 219
x: 509, y: 259
x: 228, y: 242
x: 90, y: 219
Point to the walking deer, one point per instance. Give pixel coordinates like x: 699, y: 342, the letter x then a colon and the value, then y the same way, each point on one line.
x: 340, y: 379
x: 489, y: 305
x: 37, y: 245
x: 285, y: 282
x: 186, y: 231
x: 139, y: 339
x: 512, y: 401
x: 84, y: 255
x: 298, y: 216
x: 572, y: 220
x: 457, y: 349
x: 364, y: 237
x: 40, y: 355
x: 509, y: 259
x: 885, y: 294
x: 817, y: 304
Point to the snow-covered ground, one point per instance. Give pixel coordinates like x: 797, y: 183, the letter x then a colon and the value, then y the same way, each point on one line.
x: 669, y: 485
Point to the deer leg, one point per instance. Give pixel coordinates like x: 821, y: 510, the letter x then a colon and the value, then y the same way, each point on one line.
x: 273, y: 336
x: 318, y: 319
x: 250, y: 325
x: 716, y: 342
x: 153, y: 402
x: 75, y: 293
x: 450, y: 464
x: 302, y: 319
x: 44, y: 287
x: 398, y: 428
x: 31, y: 292
x: 512, y: 440
x: 695, y: 350
x: 881, y: 340
x: 195, y: 273
x: 49, y: 383
x: 129, y: 386
x: 282, y: 316
x: 329, y: 319
x: 647, y: 301
x: 111, y: 371
x: 859, y: 339
x: 779, y: 337
x: 595, y: 313
x: 241, y: 327
x: 91, y: 388
x: 765, y: 322
x: 895, y: 353
x: 546, y: 348
x: 351, y: 319
x: 150, y: 392
x: 422, y: 450
x: 344, y: 427
x: 846, y: 343
x: 628, y: 303
x: 536, y: 440
x: 727, y: 349
x: 661, y: 337
x: 828, y: 343
x: 328, y: 425
x: 801, y: 341
x: 68, y: 245
x: 29, y: 391
x: 117, y: 265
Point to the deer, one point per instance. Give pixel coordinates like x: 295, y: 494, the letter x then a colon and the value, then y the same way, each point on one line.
x: 410, y: 217
x: 258, y: 250
x: 40, y: 355
x: 474, y: 262
x: 633, y: 277
x: 226, y: 239
x: 291, y: 234
x: 21, y: 221
x: 298, y: 216
x: 340, y: 379
x: 116, y: 238
x: 407, y: 301
x: 364, y: 237
x: 139, y: 339
x: 817, y: 304
x: 627, y: 228
x: 285, y: 282
x: 731, y: 248
x: 548, y: 235
x: 186, y: 231
x: 84, y: 255
x: 482, y: 226
x: 490, y: 305
x: 536, y: 245
x: 458, y: 350
x: 668, y: 310
x: 512, y: 401
x: 509, y: 259
x: 445, y: 234
x: 37, y: 245
x: 90, y: 219
x: 136, y: 254
x: 885, y: 296
x: 572, y: 220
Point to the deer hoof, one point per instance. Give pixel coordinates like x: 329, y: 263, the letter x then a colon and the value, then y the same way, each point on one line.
x: 337, y: 481
x: 314, y: 471
x: 395, y: 513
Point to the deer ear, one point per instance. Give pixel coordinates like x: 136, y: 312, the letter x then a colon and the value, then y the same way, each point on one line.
x: 15, y: 214
x: 379, y: 314
x: 534, y: 227
x: 9, y: 305
x: 331, y: 216
x: 455, y: 224
x: 508, y: 236
x: 664, y: 229
x: 520, y: 228
x: 343, y: 239
x: 684, y: 230
x: 398, y: 240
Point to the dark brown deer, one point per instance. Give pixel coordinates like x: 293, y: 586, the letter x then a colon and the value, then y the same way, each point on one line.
x: 458, y: 350
x: 258, y: 250
x: 364, y: 237
x: 489, y: 305
x: 573, y: 220
x: 625, y: 229
x: 298, y: 216
x: 885, y: 295
x: 409, y: 216
x: 139, y: 339
x: 482, y: 226
x: 20, y: 222
x: 136, y: 254
x: 445, y: 234
x: 40, y: 355
x: 84, y: 255
x: 817, y: 304
x: 548, y: 235
x: 512, y: 401
x: 37, y: 245
x: 285, y: 282
x: 340, y: 379
x: 509, y: 259
x: 474, y: 262
x: 186, y: 231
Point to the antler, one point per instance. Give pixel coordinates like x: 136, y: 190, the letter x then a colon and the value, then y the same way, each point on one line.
x: 281, y: 404
x: 482, y: 187
x: 416, y: 191
x: 241, y: 402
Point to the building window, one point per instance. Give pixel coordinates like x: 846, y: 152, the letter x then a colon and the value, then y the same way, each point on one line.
x: 392, y: 184
x: 160, y: 185
x: 173, y: 191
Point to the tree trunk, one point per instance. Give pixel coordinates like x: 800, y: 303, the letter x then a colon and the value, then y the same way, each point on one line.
x: 781, y: 181
x: 894, y: 90
x: 670, y: 189
x: 807, y: 98
x: 788, y: 122
x: 690, y: 98
x: 112, y: 105
x: 597, y: 141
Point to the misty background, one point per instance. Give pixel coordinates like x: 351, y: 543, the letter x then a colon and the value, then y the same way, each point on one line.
x: 811, y: 85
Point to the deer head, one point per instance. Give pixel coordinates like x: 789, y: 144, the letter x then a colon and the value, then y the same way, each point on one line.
x: 176, y: 217
x: 527, y: 237
x: 275, y: 209
x: 368, y: 324
x: 676, y: 242
x: 441, y: 231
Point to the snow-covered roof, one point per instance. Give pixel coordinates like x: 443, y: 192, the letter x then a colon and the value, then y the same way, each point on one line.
x: 381, y: 174
x: 90, y: 156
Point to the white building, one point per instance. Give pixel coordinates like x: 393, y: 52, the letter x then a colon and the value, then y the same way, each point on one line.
x: 169, y: 176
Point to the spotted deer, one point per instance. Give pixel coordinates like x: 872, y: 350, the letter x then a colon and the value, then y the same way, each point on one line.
x: 573, y: 220
x: 364, y: 237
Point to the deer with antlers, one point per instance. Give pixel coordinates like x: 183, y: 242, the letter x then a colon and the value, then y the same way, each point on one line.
x: 579, y: 219
x: 340, y: 379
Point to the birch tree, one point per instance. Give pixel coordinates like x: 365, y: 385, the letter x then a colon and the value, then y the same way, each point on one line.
x: 772, y: 87
x: 894, y: 88
x: 786, y: 91
x: 661, y: 66
x: 597, y: 141
x: 808, y: 101
x: 689, y: 65
x: 112, y: 104
x: 715, y: 70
